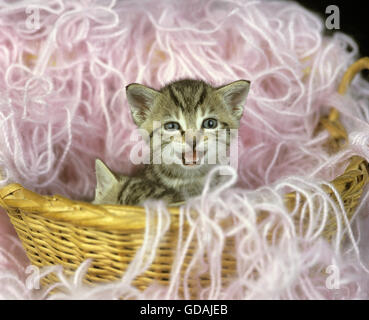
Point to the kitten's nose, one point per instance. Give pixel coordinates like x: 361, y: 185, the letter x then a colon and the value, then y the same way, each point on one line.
x: 192, y: 143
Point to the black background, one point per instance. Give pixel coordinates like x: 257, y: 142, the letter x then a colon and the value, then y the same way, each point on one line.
x: 354, y: 19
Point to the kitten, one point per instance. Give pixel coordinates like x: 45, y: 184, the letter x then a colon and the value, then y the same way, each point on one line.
x: 191, y: 114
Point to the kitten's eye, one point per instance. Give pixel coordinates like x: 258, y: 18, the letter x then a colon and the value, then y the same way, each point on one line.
x: 171, y: 126
x: 209, y: 123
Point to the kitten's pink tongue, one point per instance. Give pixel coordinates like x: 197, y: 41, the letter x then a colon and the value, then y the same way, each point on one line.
x: 190, y: 157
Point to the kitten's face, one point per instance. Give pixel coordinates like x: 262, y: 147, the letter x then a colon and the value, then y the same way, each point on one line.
x: 190, y: 119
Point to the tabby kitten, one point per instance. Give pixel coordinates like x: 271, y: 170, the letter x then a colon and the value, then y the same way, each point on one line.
x: 191, y: 114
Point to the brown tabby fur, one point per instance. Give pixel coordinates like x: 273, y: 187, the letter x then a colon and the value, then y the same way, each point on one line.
x: 188, y: 103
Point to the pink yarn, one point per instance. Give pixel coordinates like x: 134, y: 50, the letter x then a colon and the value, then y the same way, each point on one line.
x: 63, y: 104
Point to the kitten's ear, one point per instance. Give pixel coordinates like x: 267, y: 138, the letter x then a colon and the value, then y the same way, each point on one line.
x: 141, y: 100
x: 234, y: 95
x: 105, y: 179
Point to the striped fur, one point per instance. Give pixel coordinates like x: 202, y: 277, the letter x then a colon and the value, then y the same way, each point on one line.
x: 188, y: 103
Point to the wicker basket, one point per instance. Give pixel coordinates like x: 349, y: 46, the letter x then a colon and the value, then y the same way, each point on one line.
x: 56, y: 230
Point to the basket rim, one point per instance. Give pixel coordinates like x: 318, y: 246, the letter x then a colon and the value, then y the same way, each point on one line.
x: 17, y: 199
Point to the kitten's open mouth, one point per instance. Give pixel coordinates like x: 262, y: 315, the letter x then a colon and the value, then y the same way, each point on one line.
x: 190, y: 159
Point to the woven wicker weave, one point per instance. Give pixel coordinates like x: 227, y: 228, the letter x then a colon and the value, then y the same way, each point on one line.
x: 56, y: 230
